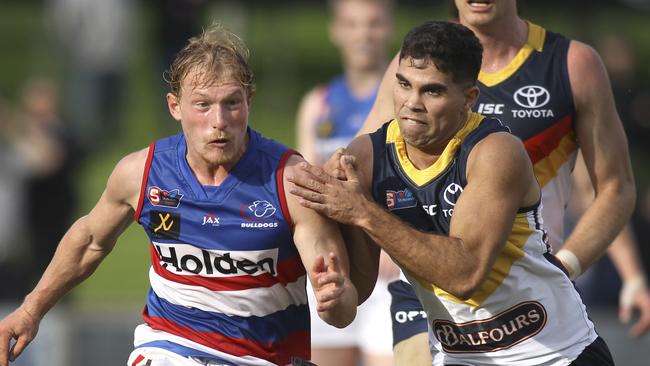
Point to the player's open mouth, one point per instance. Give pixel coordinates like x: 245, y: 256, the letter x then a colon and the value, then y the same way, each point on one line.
x: 218, y: 142
x: 413, y: 120
x: 479, y: 4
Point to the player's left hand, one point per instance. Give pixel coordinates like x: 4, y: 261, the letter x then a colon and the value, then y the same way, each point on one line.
x: 340, y: 200
x: 328, y: 282
x: 635, y: 295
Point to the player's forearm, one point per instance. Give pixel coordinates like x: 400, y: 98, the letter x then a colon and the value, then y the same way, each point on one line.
x: 437, y: 259
x: 76, y: 258
x: 601, y: 223
x: 364, y: 261
x: 345, y: 311
x: 624, y: 255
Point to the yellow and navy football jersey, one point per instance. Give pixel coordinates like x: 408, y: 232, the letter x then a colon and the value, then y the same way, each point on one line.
x: 532, y: 96
x: 527, y: 312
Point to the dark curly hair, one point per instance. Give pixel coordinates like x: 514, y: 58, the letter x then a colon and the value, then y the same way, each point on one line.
x: 451, y: 47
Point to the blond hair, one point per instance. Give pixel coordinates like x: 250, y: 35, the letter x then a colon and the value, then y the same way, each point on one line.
x: 214, y: 55
x: 389, y: 4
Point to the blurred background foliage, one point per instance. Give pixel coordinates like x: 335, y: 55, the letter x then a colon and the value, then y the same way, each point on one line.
x: 290, y: 53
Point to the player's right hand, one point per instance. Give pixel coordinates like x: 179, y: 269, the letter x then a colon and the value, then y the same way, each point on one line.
x: 328, y: 282
x: 333, y: 166
x: 21, y: 326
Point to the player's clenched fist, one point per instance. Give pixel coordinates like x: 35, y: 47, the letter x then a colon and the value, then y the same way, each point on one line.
x: 21, y: 326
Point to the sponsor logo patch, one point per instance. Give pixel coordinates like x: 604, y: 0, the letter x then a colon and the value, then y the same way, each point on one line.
x: 161, y: 197
x: 185, y: 259
x: 258, y: 215
x: 502, y: 331
x: 490, y: 108
x: 210, y: 219
x: 258, y: 210
x: 532, y: 96
x: 452, y: 192
x: 397, y: 200
x: 165, y: 224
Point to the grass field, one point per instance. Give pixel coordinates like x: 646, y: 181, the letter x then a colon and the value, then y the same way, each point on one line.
x: 290, y: 54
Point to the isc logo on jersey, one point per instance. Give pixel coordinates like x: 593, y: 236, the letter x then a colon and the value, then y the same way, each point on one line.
x: 490, y: 108
x: 185, y: 259
x: 532, y: 98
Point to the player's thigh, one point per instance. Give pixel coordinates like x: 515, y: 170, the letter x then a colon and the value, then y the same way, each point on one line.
x: 378, y: 359
x: 413, y: 351
x: 335, y: 356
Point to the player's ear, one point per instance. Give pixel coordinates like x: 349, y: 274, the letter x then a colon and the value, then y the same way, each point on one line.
x: 471, y: 95
x: 174, y: 105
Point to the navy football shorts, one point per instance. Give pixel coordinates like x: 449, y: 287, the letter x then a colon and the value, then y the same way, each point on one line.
x: 407, y: 314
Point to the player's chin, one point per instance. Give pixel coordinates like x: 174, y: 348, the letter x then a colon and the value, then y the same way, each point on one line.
x: 220, y: 157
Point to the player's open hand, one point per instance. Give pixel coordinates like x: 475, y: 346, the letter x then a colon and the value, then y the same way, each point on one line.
x: 340, y: 200
x: 21, y: 326
x: 635, y: 295
x: 328, y: 282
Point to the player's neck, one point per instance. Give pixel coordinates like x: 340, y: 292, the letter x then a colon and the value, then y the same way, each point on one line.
x: 364, y: 82
x: 501, y: 43
x: 423, y: 157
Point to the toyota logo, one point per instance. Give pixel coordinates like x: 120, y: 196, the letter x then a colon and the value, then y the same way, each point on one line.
x: 532, y: 96
x: 450, y: 193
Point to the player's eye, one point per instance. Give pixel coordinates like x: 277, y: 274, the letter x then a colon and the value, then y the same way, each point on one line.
x: 404, y: 84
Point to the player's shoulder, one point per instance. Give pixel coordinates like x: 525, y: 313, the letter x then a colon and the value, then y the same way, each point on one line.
x: 582, y: 54
x: 502, y: 147
x: 133, y: 161
x: 361, y: 147
x: 584, y: 64
x: 587, y: 72
x: 126, y: 178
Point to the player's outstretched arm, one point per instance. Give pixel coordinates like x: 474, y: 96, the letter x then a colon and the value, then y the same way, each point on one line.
x: 604, y: 147
x: 460, y: 262
x: 323, y: 254
x: 79, y: 253
x: 634, y: 294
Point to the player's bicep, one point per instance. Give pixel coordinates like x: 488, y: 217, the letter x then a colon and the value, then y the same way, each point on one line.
x: 484, y: 213
x: 114, y: 210
x: 598, y: 126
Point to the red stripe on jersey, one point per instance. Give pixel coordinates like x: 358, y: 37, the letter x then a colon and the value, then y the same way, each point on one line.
x: 289, y: 270
x: 296, y: 343
x: 143, y: 186
x: 543, y: 144
x: 137, y: 360
x: 279, y: 175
